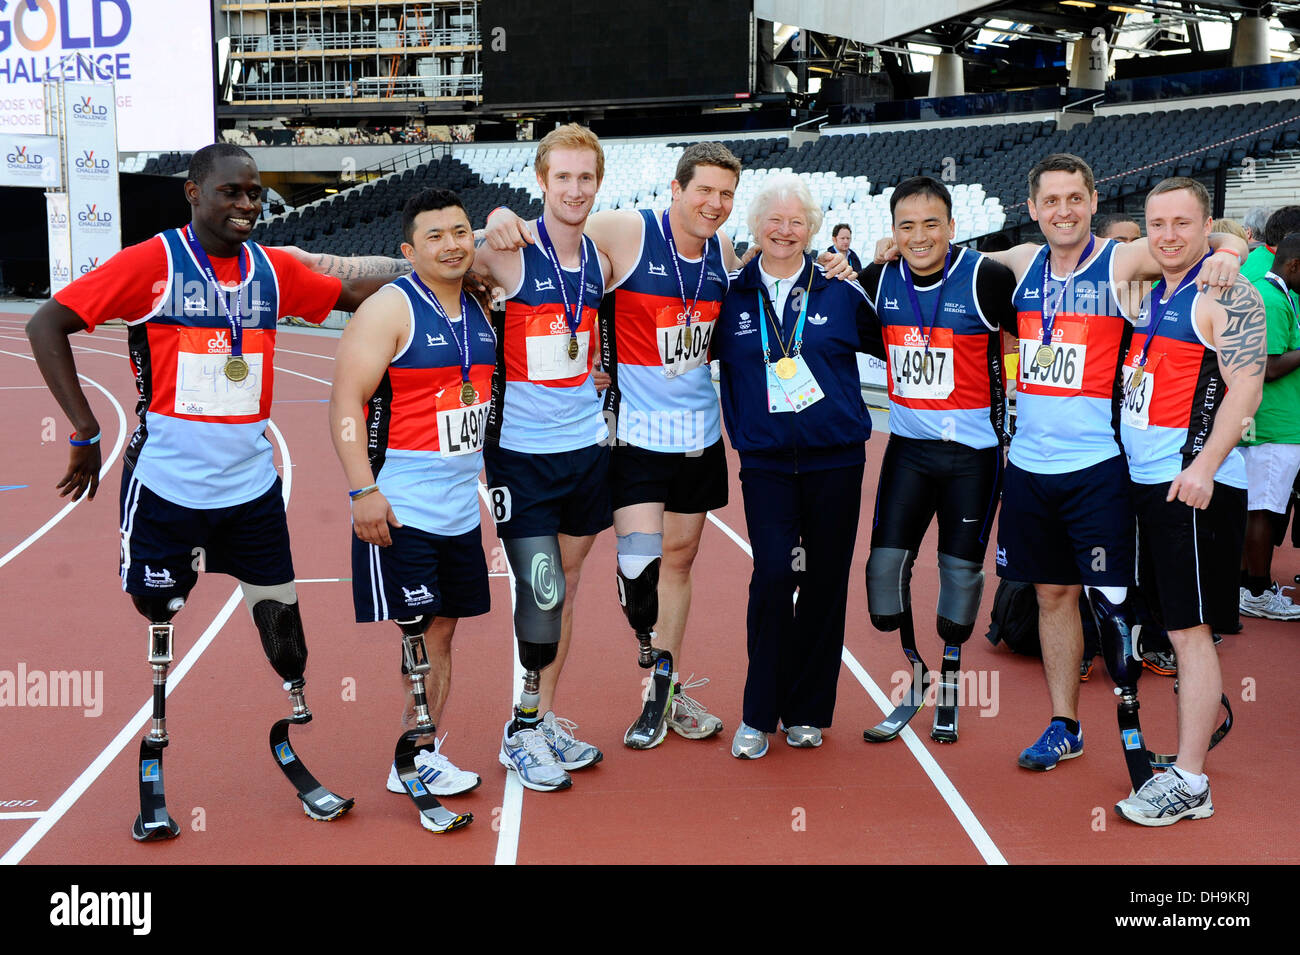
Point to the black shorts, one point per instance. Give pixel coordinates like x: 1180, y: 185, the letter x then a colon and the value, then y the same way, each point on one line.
x: 1071, y: 528
x: 541, y: 495
x: 1189, y: 561
x: 683, y: 482
x: 166, y: 545
x: 420, y: 573
x: 919, y: 479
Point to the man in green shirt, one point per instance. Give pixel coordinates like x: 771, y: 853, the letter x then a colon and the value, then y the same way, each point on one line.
x: 1272, y: 442
x: 1281, y: 223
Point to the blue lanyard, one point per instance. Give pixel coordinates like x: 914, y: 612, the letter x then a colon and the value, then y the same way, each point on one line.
x: 233, y: 318
x: 1049, y: 317
x: 1158, y: 308
x: 462, y: 345
x: 797, y: 338
x: 916, y: 302
x: 575, y: 319
x: 681, y: 286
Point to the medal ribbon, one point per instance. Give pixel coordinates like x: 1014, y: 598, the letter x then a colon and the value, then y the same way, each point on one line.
x: 1158, y: 309
x: 1049, y: 317
x: 681, y: 286
x: 916, y: 302
x: 796, y: 337
x: 235, y: 318
x: 1282, y: 287
x: 462, y: 346
x: 574, y: 320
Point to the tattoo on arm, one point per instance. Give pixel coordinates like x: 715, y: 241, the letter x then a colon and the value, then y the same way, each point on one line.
x: 1243, y: 346
x: 359, y: 266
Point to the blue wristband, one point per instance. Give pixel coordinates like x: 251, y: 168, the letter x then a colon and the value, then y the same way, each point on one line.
x: 363, y: 491
x: 72, y: 440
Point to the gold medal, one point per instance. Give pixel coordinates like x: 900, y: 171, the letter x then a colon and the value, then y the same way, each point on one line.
x: 785, y: 368
x: 1043, y: 357
x: 686, y: 338
x: 236, y: 368
x: 573, y: 348
x: 1136, y: 381
x: 467, y: 394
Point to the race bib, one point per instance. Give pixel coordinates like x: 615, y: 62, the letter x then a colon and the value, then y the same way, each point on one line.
x: 461, y: 429
x: 1064, y: 374
x: 916, y: 373
x: 675, y: 355
x: 547, y: 344
x: 1136, y: 408
x: 202, y: 387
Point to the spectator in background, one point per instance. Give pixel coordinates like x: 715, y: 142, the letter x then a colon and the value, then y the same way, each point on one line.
x: 1272, y: 445
x: 1230, y: 226
x: 842, y: 236
x: 1254, y: 222
x: 997, y: 242
x: 1116, y: 225
x: 1281, y: 223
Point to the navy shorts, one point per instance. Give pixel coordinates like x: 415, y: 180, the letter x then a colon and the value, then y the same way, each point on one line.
x: 1189, y: 561
x: 166, y: 545
x: 682, y: 482
x: 541, y: 495
x: 1071, y: 528
x: 419, y: 574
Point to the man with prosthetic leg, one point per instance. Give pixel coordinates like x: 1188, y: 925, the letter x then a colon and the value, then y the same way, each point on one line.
x: 942, y: 310
x: 415, y: 365
x: 199, y: 487
x: 1193, y: 379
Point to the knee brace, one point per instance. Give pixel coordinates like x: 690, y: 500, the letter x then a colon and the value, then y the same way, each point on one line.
x: 157, y: 609
x: 961, y: 584
x: 280, y: 627
x: 539, y: 588
x: 889, y: 592
x: 1117, y: 633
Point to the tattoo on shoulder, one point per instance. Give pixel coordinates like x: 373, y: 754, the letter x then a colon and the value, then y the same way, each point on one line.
x: 1243, y: 346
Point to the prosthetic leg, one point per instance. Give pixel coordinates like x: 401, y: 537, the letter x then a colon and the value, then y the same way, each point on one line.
x: 154, y: 822
x: 889, y: 576
x: 279, y: 625
x: 1120, y: 652
x: 961, y: 584
x: 433, y: 815
x: 639, y: 597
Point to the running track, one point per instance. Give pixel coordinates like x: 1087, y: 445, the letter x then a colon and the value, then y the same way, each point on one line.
x: 67, y: 779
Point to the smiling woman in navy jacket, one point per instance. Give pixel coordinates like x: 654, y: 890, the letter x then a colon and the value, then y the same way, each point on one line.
x: 786, y: 340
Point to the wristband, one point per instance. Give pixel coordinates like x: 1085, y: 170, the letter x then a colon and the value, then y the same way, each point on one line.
x: 72, y: 440
x: 1240, y: 258
x: 362, y: 492
x: 494, y: 212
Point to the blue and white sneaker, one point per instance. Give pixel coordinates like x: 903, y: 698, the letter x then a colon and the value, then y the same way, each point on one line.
x: 1056, y: 743
x: 529, y: 754
x: 1163, y: 800
x: 439, y: 775
x: 572, y: 753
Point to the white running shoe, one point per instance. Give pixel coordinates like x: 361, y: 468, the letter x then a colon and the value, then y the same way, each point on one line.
x: 572, y: 753
x: 1163, y: 800
x: 687, y: 716
x: 529, y: 754
x: 1272, y: 604
x: 439, y: 775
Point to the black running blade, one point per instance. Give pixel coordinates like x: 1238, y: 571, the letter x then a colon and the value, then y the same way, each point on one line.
x: 912, y: 701
x: 437, y: 817
x: 649, y: 729
x: 945, y: 711
x: 1166, y: 760
x: 154, y: 822
x: 317, y: 801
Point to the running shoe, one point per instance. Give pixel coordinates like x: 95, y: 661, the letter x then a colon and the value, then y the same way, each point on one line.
x: 529, y: 755
x: 803, y: 737
x: 439, y: 775
x: 1272, y: 604
x: 1163, y: 800
x: 1162, y: 662
x: 687, y: 716
x: 749, y: 743
x: 572, y: 753
x: 1056, y: 743
x: 1085, y: 669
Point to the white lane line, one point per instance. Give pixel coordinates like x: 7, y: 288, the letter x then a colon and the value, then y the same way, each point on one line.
x: 103, y: 468
x: 512, y: 803
x: 983, y: 843
x: 136, y: 723
x: 21, y: 815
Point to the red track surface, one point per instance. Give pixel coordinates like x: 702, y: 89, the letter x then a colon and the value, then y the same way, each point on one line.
x: 687, y: 801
